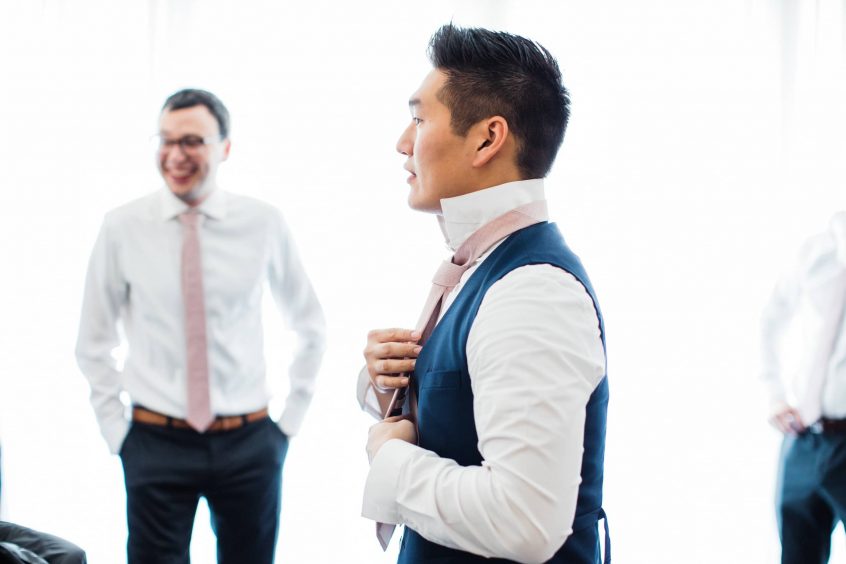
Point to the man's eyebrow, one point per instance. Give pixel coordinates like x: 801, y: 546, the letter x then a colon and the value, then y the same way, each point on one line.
x: 414, y: 102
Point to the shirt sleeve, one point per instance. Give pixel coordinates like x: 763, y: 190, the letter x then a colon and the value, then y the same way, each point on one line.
x: 293, y: 293
x: 535, y: 356
x: 371, y: 400
x: 775, y: 320
x: 105, y: 293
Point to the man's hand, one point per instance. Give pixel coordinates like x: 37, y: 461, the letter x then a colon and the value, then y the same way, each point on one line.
x: 390, y: 353
x: 399, y: 427
x: 786, y: 419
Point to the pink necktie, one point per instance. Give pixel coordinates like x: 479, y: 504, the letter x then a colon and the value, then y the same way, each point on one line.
x: 446, y: 278
x: 199, y: 405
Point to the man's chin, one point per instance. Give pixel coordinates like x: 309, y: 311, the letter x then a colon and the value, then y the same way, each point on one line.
x: 188, y: 193
x: 421, y: 204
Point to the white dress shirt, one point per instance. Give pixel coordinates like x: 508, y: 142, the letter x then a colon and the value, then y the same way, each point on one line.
x: 534, y: 356
x: 133, y: 290
x: 793, y: 307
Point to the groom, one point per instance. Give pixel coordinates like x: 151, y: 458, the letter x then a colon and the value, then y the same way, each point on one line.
x: 500, y: 453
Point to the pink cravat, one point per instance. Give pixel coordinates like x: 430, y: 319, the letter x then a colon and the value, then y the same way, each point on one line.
x: 446, y: 278
x: 199, y: 405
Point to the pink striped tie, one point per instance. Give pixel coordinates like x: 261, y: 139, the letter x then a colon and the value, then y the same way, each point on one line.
x: 199, y: 405
x: 446, y: 278
x: 449, y: 274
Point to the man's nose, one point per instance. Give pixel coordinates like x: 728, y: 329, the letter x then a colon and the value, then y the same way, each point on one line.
x: 405, y: 144
x: 174, y: 153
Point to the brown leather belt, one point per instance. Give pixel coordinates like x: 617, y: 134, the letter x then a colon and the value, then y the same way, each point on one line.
x: 221, y: 423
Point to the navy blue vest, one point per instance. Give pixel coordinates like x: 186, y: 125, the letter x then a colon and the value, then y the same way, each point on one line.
x: 445, y: 398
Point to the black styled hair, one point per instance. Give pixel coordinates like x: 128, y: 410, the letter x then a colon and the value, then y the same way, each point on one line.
x: 491, y: 73
x: 190, y: 97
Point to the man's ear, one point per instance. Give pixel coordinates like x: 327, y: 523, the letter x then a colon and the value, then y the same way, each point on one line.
x: 491, y: 136
x: 227, y: 145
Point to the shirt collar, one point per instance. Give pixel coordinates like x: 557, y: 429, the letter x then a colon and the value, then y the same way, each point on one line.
x: 214, y: 206
x: 462, y: 215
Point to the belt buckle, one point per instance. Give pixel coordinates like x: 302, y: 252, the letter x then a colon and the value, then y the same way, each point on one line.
x: 816, y: 428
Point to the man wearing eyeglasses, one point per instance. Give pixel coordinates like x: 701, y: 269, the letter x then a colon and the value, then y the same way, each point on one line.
x: 181, y: 271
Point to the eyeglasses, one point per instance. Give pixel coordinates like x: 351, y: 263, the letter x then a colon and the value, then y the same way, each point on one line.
x: 189, y: 144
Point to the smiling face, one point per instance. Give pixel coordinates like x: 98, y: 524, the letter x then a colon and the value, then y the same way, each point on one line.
x: 190, y: 172
x: 440, y: 162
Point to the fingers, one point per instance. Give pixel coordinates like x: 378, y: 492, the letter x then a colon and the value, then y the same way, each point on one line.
x: 392, y: 343
x: 398, y: 427
x: 787, y: 420
x: 393, y: 335
x: 390, y: 382
x: 388, y: 367
x: 378, y: 365
x: 781, y: 423
x: 396, y: 418
x: 390, y: 353
x: 796, y: 423
x: 396, y: 350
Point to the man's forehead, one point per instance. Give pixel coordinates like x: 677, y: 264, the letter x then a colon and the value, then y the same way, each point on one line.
x: 196, y: 119
x: 416, y: 99
x: 428, y: 88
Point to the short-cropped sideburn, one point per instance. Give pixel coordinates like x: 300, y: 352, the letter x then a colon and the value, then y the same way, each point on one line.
x: 491, y: 73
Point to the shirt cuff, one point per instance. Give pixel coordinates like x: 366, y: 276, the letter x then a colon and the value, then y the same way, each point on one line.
x: 382, y: 485
x: 366, y: 395
x: 284, y: 432
x: 775, y: 391
x: 115, y: 435
x: 292, y: 417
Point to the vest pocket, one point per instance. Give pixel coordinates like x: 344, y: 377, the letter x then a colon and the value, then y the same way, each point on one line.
x: 441, y: 379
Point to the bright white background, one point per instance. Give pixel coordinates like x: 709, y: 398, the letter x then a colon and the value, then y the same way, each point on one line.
x: 706, y: 142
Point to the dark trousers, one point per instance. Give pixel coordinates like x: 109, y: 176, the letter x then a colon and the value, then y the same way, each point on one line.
x: 239, y: 472
x: 51, y: 548
x: 811, y: 495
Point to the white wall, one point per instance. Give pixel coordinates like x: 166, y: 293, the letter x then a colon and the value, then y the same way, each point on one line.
x: 676, y: 184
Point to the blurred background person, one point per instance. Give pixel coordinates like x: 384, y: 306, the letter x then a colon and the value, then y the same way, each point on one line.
x: 808, y: 404
x: 182, y: 271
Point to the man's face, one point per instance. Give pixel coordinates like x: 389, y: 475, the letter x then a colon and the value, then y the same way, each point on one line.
x: 190, y: 152
x: 439, y: 160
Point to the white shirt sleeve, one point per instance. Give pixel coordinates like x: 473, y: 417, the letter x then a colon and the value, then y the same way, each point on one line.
x: 775, y: 320
x: 368, y: 401
x: 105, y: 294
x: 534, y: 356
x: 293, y: 293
